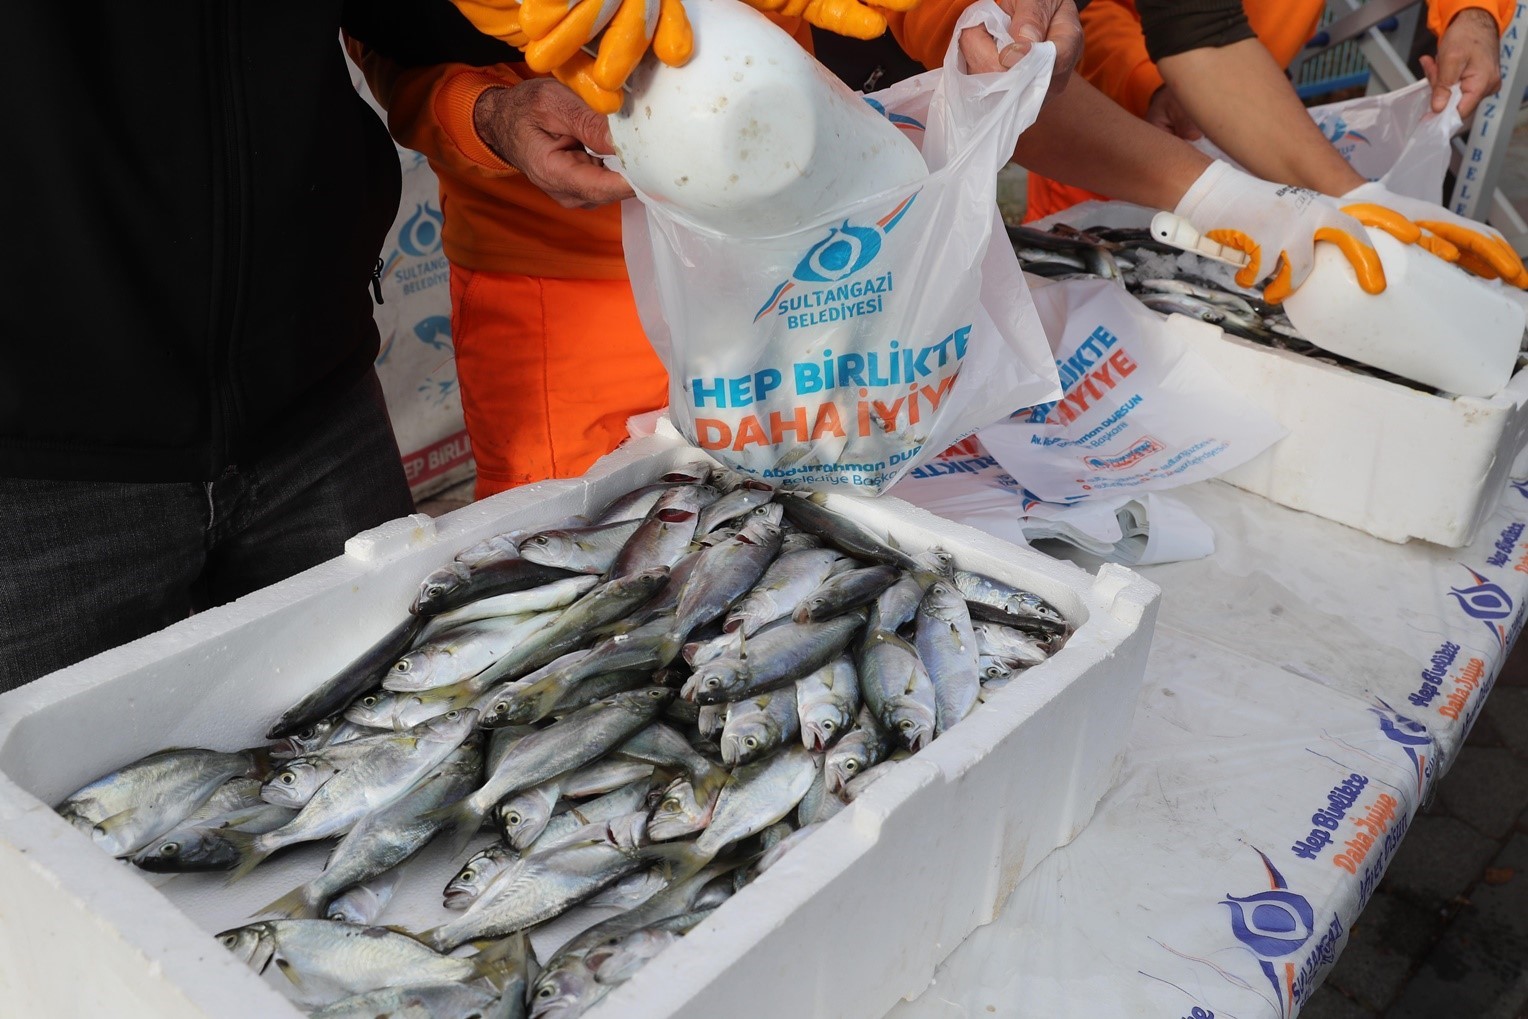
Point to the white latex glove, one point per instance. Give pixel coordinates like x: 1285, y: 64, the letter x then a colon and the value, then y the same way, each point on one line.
x: 1471, y: 245
x: 1277, y: 227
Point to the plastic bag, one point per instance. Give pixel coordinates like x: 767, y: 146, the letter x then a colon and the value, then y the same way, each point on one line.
x: 1393, y: 137
x: 843, y: 353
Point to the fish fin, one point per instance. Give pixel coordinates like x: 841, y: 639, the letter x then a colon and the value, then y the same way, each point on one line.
x: 290, y: 972
x: 501, y: 960
x: 709, y: 787
x: 249, y: 850
x: 679, y: 861
x: 460, y: 820
x: 296, y: 904
x: 108, y: 825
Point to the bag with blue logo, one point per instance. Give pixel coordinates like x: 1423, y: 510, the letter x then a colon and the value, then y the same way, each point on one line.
x: 847, y: 350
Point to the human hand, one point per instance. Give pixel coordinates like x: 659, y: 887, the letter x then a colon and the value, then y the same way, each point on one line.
x: 1166, y: 112
x: 1052, y: 21
x: 1471, y: 245
x: 1469, y: 55
x: 858, y: 19
x: 1277, y: 227
x: 558, y: 31
x: 541, y: 128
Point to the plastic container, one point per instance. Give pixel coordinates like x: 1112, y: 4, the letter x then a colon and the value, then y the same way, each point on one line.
x: 1434, y: 323
x: 752, y: 136
x: 853, y: 919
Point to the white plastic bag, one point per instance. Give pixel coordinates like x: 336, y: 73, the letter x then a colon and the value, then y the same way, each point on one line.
x: 841, y: 354
x: 1393, y: 137
x: 1141, y: 412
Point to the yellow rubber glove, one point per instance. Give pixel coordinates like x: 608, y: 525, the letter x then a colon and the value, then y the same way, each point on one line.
x: 1277, y: 227
x: 495, y: 18
x: 560, y: 31
x: 1470, y: 245
x: 854, y: 18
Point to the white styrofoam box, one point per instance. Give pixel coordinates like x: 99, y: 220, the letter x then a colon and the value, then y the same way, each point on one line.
x: 854, y: 918
x: 1384, y: 458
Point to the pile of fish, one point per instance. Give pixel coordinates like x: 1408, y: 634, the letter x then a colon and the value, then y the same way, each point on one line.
x: 1170, y: 280
x: 648, y: 710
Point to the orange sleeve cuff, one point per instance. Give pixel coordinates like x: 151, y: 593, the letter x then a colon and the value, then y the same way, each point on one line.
x: 1441, y: 12
x: 454, y: 103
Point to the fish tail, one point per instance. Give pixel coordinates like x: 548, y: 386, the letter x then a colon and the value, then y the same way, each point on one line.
x: 679, y: 861
x: 298, y: 904
x: 251, y: 849
x: 502, y: 960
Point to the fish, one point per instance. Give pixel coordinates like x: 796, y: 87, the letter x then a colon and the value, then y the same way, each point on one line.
x: 774, y: 853
x: 194, y: 845
x: 845, y: 591
x: 313, y: 737
x: 773, y: 658
x: 809, y: 513
x: 680, y: 812
x: 419, y: 1001
x: 630, y: 891
x: 368, y: 784
x: 125, y: 810
x: 826, y: 702
x: 334, y: 694
x: 726, y: 572
x: 476, y: 874
x: 897, y: 689
x: 787, y: 581
x: 616, y: 803
x: 1009, y: 644
x: 615, y: 963
x: 568, y: 991
x: 460, y: 653
x: 896, y: 606
x: 545, y: 598
x: 294, y: 785
x: 495, y: 548
x: 664, y: 535
x: 327, y: 957
x: 759, y: 725
x: 364, y: 903
x: 946, y: 644
x: 864, y: 747
x: 581, y: 737
x: 385, y: 839
x: 998, y: 602
x: 748, y: 496
x: 456, y: 584
x: 591, y: 549
x: 398, y: 712
x: 662, y: 745
x: 818, y: 804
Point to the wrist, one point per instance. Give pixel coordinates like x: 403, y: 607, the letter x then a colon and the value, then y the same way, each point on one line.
x: 487, y: 116
x: 1475, y: 17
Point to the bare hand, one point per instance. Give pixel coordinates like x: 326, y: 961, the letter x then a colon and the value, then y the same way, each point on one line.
x: 1166, y: 112
x: 1469, y: 55
x: 541, y: 128
x: 1053, y: 21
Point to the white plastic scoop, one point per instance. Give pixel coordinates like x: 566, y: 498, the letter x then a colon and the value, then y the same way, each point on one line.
x: 1434, y: 323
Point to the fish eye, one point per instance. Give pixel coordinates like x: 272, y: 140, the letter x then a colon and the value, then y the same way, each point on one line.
x: 828, y: 726
x: 287, y: 778
x: 169, y: 849
x: 513, y: 817
x: 713, y: 683
x: 655, y: 694
x: 229, y: 940
x: 467, y: 875
x: 501, y: 708
x: 851, y: 765
x: 370, y: 701
x: 402, y: 666
x: 546, y: 992
x: 310, y: 732
x: 434, y: 590
x: 672, y: 803
x: 452, y: 716
x: 905, y: 725
x: 751, y: 742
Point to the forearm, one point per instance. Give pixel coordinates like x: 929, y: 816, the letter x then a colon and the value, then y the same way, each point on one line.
x: 1084, y: 139
x: 1240, y: 99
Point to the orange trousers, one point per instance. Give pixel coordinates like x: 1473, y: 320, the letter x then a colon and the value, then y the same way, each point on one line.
x: 550, y: 370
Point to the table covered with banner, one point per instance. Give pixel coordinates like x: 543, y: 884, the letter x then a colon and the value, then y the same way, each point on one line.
x: 1308, y: 686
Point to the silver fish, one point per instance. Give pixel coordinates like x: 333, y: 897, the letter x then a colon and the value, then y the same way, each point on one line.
x: 195, y: 845
x: 617, y: 803
x: 845, y: 591
x: 476, y: 874
x: 461, y: 652
x: 756, y: 796
x: 1004, y: 603
x: 775, y: 657
x: 947, y: 645
x: 455, y: 585
x: 897, y: 689
x: 386, y: 838
x: 725, y: 573
x: 798, y: 541
x: 680, y: 812
x: 818, y: 804
x: 492, y: 549
x: 373, y: 781
x: 549, y: 597
x: 616, y: 963
x: 826, y: 702
x: 583, y: 549
x: 126, y: 809
x: 896, y: 606
x: 664, y: 536
x: 1009, y: 644
x: 567, y: 991
x: 787, y: 581
x: 864, y: 747
x: 748, y: 496
x: 522, y: 817
x: 699, y: 653
x: 364, y: 903
x: 314, y: 737
x: 631, y: 891
x: 425, y: 1001
x: 759, y: 725
x: 402, y: 711
x: 294, y: 785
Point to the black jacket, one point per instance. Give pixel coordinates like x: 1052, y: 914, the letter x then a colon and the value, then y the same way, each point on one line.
x: 194, y: 199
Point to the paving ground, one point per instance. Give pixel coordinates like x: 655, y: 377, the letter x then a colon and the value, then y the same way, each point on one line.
x: 1446, y: 934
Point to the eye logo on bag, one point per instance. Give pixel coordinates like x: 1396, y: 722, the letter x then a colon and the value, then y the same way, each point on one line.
x: 1338, y: 131
x: 810, y: 297
x: 1276, y: 924
x: 1486, y: 602
x: 420, y: 233
x: 845, y: 251
x: 1412, y: 736
x: 1521, y: 487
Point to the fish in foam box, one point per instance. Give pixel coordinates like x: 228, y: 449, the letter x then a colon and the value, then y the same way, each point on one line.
x: 854, y: 918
